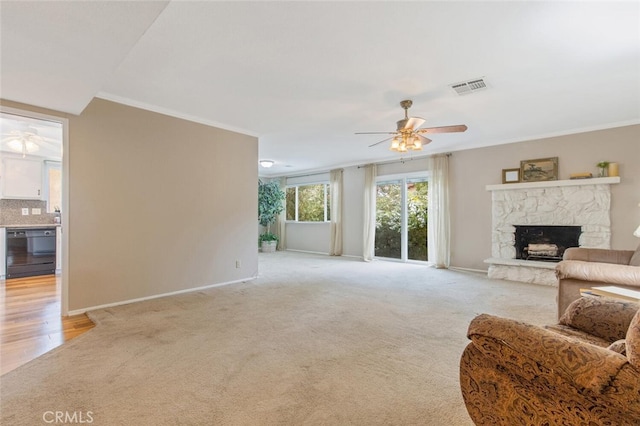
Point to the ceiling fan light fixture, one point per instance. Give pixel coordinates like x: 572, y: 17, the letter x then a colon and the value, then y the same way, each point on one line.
x: 22, y: 146
x: 395, y: 144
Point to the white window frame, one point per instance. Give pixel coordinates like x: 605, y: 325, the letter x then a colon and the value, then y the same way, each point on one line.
x: 296, y: 186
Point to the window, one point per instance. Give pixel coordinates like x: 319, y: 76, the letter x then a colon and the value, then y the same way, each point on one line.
x: 53, y: 185
x: 308, y: 203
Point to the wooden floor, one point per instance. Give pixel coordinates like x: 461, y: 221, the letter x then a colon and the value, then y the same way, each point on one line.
x: 31, y: 322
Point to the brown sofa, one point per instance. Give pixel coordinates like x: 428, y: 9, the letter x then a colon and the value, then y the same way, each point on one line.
x: 577, y: 372
x: 588, y: 267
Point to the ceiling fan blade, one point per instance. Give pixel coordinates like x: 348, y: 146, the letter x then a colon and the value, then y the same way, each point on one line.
x: 410, y: 123
x: 376, y: 133
x: 425, y: 141
x: 444, y: 129
x: 378, y: 143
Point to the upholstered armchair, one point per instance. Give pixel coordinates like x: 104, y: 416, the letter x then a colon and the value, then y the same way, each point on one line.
x: 587, y: 267
x: 583, y: 371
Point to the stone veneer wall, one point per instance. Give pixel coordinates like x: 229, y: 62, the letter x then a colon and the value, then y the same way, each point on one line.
x: 586, y: 205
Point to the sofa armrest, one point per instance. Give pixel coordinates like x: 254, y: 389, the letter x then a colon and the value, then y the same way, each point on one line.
x: 599, y: 272
x: 531, y: 351
x: 620, y: 257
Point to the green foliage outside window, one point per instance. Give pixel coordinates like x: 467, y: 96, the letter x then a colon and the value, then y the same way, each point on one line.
x: 389, y: 220
x: 291, y: 203
x: 310, y: 200
x: 417, y: 220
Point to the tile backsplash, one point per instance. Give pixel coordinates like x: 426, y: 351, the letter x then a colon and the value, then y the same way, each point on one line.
x: 11, y: 213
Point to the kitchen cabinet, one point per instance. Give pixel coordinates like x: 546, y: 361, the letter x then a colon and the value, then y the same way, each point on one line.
x: 3, y: 259
x: 21, y: 178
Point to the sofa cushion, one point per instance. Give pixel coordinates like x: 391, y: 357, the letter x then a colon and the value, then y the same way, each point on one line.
x: 635, y: 259
x: 601, y: 316
x: 633, y: 341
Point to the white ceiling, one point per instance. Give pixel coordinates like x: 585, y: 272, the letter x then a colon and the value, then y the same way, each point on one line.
x: 305, y: 76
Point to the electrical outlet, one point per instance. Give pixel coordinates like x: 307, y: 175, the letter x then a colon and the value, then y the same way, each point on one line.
x: 36, y: 211
x: 238, y: 264
x: 25, y: 211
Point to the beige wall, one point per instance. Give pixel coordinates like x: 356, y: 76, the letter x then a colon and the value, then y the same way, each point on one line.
x: 156, y: 204
x: 472, y: 170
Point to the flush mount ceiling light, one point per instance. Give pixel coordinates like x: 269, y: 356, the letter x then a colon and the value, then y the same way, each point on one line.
x: 267, y: 163
x: 408, y: 136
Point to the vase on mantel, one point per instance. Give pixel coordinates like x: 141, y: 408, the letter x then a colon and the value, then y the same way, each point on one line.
x: 603, y: 166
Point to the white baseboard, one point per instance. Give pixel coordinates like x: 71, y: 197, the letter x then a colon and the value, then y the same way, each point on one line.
x: 353, y: 256
x: 156, y: 296
x: 307, y: 251
x: 479, y: 271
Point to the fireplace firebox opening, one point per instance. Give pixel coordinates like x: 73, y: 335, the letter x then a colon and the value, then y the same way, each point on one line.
x: 545, y: 242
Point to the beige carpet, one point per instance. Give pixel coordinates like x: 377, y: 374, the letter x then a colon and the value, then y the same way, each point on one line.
x: 315, y: 340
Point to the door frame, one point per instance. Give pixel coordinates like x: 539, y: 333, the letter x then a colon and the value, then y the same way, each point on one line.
x: 64, y: 226
x: 404, y: 231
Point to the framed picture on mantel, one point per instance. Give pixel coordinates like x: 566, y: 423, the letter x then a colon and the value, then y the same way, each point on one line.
x: 538, y: 170
x: 510, y: 175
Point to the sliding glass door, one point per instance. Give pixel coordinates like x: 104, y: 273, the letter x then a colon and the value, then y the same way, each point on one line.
x: 401, y: 218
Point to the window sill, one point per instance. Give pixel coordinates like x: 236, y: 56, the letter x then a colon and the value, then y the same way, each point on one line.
x: 306, y: 223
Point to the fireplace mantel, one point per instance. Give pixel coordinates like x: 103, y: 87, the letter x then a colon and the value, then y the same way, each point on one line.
x: 554, y: 183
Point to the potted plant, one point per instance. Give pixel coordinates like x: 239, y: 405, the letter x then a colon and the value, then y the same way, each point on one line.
x: 270, y: 198
x: 268, y: 242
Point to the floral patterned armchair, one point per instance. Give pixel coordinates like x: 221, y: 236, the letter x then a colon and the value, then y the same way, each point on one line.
x: 583, y: 371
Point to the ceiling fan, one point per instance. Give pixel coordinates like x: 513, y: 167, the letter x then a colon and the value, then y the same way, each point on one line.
x: 25, y: 140
x: 408, y: 135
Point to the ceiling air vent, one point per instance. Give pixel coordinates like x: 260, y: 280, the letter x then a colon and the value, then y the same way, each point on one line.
x: 466, y: 87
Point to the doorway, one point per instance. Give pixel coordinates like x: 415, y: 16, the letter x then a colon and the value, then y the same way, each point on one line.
x: 401, y: 218
x: 44, y: 139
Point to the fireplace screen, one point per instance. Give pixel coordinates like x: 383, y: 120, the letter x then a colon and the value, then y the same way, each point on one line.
x: 546, y: 243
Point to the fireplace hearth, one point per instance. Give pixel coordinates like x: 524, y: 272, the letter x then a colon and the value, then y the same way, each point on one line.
x: 545, y: 242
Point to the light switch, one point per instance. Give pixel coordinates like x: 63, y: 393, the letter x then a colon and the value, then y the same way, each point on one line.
x: 25, y: 211
x: 36, y: 211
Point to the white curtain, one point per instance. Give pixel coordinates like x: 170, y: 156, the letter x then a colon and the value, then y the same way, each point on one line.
x: 281, y: 224
x: 369, y: 235
x: 438, y: 212
x: 335, y: 188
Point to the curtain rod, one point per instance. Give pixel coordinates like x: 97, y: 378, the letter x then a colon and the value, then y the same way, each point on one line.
x: 309, y: 174
x: 404, y: 160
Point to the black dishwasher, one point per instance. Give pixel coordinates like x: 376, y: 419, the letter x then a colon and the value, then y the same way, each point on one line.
x: 31, y: 251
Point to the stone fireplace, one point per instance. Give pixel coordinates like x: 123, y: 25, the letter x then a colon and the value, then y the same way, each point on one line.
x: 534, y: 209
